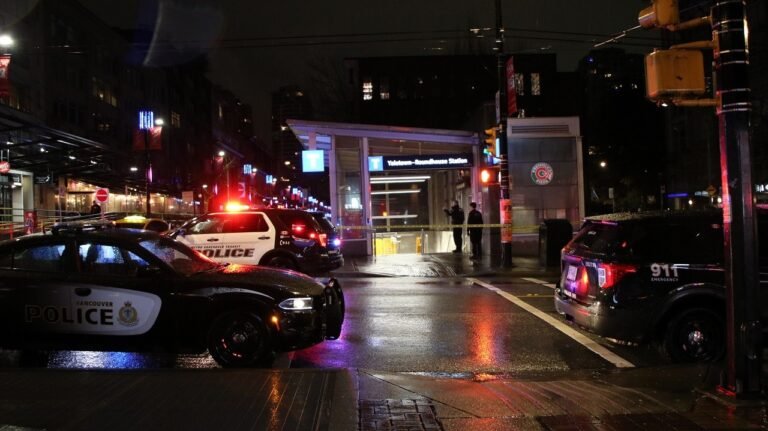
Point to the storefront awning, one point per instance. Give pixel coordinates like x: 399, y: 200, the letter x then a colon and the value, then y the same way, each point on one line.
x: 28, y: 145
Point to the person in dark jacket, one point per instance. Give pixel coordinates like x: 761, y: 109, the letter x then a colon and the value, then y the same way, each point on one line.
x: 95, y: 208
x: 457, y: 218
x: 475, y: 217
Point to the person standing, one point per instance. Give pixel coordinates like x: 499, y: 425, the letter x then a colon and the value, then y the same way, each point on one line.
x: 475, y: 217
x: 95, y: 208
x: 457, y: 218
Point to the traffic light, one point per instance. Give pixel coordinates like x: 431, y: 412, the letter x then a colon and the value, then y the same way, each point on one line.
x: 489, y: 149
x: 489, y: 176
x: 662, y: 13
x: 674, y: 73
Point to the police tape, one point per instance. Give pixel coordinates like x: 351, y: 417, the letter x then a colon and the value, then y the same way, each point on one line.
x: 442, y: 227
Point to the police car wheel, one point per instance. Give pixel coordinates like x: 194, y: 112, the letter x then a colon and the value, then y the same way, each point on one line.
x: 334, y: 319
x: 238, y: 339
x: 695, y: 335
x: 281, y: 262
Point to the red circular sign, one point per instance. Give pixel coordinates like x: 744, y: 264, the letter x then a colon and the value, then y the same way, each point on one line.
x: 102, y: 195
x: 5, y: 167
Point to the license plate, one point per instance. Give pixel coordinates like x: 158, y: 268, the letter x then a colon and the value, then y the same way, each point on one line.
x: 572, y: 270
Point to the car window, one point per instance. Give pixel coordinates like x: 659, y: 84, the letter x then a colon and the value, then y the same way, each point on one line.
x: 290, y: 218
x: 239, y: 223
x: 47, y: 258
x: 681, y: 241
x: 598, y: 238
x: 180, y: 257
x: 109, y: 259
x: 206, y: 225
x: 323, y: 222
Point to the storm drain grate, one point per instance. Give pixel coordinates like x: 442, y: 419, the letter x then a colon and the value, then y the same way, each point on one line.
x: 397, y: 415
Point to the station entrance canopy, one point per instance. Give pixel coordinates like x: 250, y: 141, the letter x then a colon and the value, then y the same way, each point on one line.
x: 27, y: 145
x: 386, y: 178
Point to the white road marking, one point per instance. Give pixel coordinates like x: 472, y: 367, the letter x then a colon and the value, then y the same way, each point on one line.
x: 599, y: 350
x: 541, y: 282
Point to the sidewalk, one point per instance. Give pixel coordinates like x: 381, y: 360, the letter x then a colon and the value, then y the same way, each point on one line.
x: 358, y: 399
x: 439, y: 265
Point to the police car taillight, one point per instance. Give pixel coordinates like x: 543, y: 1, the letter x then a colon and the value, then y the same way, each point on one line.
x: 609, y: 274
x: 302, y: 231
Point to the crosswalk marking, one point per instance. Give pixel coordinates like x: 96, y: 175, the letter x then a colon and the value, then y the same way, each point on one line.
x: 580, y: 338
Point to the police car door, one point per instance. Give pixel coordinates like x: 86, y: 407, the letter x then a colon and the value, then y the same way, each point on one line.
x: 245, y: 238
x: 107, y: 295
x: 37, y: 295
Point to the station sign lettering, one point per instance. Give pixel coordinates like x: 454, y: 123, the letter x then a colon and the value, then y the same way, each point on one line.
x: 440, y: 161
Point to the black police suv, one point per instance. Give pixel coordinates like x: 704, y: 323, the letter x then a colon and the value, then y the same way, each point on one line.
x: 134, y: 290
x: 283, y: 238
x: 654, y: 276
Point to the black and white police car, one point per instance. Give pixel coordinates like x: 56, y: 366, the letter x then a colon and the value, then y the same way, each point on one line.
x: 135, y: 290
x: 654, y: 276
x: 283, y: 238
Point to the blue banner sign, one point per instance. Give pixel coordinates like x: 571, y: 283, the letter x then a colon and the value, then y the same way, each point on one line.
x: 439, y: 161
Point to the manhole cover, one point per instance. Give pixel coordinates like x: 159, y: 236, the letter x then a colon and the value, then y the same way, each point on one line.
x: 418, y: 414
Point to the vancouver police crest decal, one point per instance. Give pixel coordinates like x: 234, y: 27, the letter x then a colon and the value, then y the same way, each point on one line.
x: 127, y: 315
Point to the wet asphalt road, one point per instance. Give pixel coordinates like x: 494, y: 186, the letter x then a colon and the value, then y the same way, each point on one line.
x: 432, y: 326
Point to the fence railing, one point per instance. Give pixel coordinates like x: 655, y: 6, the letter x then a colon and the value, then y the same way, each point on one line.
x: 18, y: 221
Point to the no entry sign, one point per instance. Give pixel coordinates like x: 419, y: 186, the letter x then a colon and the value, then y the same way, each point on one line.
x: 102, y: 195
x: 5, y: 167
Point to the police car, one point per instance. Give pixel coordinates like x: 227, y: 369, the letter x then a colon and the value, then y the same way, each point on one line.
x: 134, y: 290
x: 284, y: 238
x: 653, y: 276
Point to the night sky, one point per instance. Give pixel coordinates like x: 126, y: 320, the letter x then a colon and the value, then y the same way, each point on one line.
x: 255, y: 46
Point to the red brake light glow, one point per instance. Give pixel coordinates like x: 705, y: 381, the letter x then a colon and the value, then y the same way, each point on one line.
x: 609, y: 274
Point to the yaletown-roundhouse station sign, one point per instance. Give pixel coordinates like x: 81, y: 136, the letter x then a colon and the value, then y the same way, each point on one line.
x: 391, y: 163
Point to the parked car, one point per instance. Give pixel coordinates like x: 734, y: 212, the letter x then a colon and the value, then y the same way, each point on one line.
x: 283, y: 238
x: 654, y: 276
x: 141, y: 222
x: 135, y: 290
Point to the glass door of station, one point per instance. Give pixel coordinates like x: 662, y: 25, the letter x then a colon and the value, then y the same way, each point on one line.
x: 400, y: 213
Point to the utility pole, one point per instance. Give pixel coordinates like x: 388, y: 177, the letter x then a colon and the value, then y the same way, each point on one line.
x: 505, y: 210
x: 742, y: 373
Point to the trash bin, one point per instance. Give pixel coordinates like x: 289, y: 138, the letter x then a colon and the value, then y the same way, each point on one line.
x: 553, y: 235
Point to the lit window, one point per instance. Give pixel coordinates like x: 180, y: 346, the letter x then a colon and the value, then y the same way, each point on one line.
x: 175, y: 119
x: 535, y: 84
x: 384, y: 89
x: 367, y: 90
x: 519, y: 84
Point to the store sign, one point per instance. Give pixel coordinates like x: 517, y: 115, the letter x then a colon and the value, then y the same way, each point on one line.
x: 394, y: 163
x: 312, y: 161
x: 542, y: 173
x: 42, y: 179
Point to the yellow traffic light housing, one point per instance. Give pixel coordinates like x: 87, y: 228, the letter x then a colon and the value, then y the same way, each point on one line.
x: 662, y: 13
x: 489, y: 148
x: 674, y: 73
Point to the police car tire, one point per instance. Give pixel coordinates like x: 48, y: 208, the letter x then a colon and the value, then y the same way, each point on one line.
x: 238, y: 339
x: 707, y: 323
x: 334, y: 313
x: 281, y: 262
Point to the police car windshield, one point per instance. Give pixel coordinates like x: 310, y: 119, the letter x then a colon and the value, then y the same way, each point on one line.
x: 181, y: 258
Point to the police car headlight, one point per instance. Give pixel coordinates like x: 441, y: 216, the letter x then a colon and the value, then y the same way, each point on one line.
x: 295, y: 304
